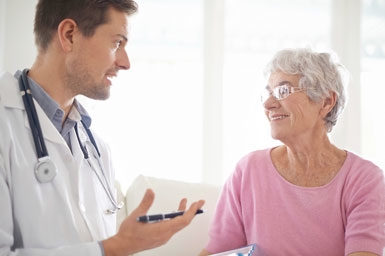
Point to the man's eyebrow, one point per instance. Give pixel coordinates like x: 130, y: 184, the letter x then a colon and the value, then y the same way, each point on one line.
x: 122, y: 36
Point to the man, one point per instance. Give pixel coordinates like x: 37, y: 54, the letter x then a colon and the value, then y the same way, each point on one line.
x: 70, y: 209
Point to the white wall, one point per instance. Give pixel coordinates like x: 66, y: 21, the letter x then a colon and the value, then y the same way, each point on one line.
x: 19, y: 47
x: 214, y: 36
x: 346, y: 20
x: 2, y: 33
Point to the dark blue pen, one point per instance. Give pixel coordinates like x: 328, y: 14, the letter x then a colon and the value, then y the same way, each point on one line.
x: 158, y: 217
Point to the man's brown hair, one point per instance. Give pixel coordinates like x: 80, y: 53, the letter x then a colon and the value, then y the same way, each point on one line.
x: 88, y: 14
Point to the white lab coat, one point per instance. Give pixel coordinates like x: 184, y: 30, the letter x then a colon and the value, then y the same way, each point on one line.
x: 62, y: 217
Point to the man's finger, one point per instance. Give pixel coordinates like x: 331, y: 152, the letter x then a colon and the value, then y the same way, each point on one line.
x: 201, y: 203
x: 182, y: 221
x: 193, y: 208
x: 182, y: 204
x: 190, y: 214
x: 145, y: 204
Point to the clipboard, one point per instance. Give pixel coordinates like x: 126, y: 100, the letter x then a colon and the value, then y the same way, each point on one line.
x: 243, y: 251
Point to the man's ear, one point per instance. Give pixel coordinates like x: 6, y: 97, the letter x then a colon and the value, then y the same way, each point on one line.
x: 328, y: 104
x: 66, y: 32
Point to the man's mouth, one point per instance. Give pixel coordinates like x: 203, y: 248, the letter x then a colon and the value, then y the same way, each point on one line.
x: 110, y: 76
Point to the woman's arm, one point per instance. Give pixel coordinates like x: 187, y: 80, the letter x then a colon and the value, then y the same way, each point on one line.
x: 363, y: 254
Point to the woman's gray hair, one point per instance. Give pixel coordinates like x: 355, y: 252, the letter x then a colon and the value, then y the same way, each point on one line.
x: 319, y: 71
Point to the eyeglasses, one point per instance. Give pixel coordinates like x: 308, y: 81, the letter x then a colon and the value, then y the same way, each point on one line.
x: 281, y: 92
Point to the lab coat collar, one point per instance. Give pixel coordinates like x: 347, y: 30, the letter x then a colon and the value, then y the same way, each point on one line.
x: 10, y: 96
x: 9, y: 92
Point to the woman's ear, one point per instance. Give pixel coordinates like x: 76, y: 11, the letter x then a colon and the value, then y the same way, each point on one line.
x: 66, y: 32
x: 328, y: 104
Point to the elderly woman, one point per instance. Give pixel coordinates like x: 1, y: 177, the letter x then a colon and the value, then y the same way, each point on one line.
x: 307, y: 196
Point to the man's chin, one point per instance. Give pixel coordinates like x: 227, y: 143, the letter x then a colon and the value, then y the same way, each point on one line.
x: 99, y: 94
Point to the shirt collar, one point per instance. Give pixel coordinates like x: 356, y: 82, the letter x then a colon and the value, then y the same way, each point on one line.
x: 85, y: 117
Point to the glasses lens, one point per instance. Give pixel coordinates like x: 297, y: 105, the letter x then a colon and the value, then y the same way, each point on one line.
x: 281, y: 92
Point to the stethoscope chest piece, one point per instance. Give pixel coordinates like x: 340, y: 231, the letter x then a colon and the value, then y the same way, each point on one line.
x: 45, y: 170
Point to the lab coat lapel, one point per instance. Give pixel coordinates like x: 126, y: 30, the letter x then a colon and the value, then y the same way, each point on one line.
x: 49, y: 130
x: 84, y: 178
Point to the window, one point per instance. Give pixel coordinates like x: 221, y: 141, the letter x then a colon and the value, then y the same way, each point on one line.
x: 372, y: 80
x: 152, y: 121
x: 255, y: 30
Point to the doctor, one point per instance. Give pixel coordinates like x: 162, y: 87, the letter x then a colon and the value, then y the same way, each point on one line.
x: 57, y: 192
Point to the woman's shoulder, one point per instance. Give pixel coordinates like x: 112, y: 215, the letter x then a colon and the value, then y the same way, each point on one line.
x: 256, y: 156
x: 249, y: 166
x: 254, y: 161
x: 359, y: 168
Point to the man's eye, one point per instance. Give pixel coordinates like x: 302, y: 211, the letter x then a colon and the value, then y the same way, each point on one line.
x: 118, y: 44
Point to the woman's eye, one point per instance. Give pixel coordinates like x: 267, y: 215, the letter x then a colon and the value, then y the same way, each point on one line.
x: 283, y: 90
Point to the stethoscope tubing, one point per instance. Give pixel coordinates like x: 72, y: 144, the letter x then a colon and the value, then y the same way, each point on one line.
x: 106, y: 187
x: 37, y: 133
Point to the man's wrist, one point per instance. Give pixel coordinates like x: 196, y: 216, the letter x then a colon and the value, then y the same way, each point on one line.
x: 109, y: 247
x: 113, y: 246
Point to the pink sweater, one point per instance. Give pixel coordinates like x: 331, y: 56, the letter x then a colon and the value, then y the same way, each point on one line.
x: 258, y: 205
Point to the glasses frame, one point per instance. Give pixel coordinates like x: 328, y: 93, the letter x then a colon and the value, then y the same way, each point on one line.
x: 266, y: 94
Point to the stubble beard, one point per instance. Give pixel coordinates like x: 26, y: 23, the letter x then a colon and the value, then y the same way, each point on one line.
x: 80, y: 82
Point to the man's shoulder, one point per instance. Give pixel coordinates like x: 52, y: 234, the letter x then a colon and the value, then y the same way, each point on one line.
x: 6, y: 77
x: 9, y: 90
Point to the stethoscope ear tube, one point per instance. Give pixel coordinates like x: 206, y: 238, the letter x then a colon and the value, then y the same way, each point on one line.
x: 92, y: 139
x: 34, y: 123
x: 82, y: 147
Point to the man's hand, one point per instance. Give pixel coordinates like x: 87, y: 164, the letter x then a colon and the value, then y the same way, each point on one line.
x: 134, y: 236
x: 204, y: 253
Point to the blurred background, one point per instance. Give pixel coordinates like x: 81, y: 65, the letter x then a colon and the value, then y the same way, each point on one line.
x: 189, y: 107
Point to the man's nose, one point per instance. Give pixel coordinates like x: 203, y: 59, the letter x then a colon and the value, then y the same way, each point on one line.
x: 123, y: 62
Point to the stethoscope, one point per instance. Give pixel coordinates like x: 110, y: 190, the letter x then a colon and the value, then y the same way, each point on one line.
x: 45, y: 169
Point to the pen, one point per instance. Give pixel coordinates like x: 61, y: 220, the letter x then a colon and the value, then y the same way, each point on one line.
x: 158, y: 217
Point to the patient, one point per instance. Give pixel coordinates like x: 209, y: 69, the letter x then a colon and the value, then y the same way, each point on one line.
x: 307, y: 196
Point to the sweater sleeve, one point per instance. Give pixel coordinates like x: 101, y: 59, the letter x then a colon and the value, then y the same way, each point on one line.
x: 226, y: 231
x: 365, y: 212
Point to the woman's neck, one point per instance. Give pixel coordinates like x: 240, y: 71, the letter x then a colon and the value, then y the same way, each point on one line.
x: 309, y: 164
